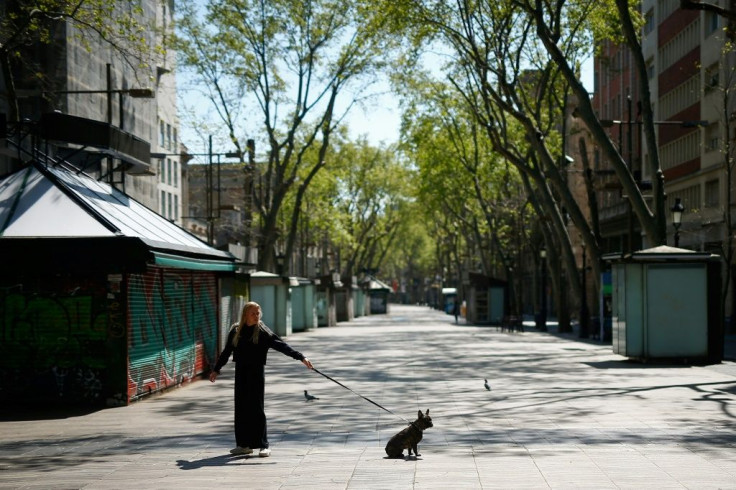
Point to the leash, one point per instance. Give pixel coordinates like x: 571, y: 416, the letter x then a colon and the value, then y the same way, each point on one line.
x: 363, y: 397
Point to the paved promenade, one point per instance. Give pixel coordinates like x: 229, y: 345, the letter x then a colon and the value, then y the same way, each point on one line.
x: 561, y: 414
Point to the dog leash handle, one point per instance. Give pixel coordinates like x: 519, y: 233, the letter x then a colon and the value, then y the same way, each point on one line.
x: 358, y: 394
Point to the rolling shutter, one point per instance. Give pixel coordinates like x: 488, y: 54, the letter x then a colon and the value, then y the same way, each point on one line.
x: 172, y: 327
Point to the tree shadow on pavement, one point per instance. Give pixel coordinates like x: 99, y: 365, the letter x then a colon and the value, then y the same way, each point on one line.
x: 25, y: 412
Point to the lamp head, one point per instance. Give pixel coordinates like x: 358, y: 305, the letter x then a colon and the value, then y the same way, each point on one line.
x: 677, y: 210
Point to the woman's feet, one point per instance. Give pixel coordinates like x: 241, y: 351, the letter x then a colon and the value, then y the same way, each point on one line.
x: 264, y: 452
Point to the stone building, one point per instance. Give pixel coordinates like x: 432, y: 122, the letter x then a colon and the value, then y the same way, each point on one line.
x: 85, y: 77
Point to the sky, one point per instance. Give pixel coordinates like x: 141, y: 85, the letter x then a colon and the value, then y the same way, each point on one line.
x: 380, y: 122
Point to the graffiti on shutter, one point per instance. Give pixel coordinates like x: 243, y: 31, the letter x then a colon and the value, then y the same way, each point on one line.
x: 172, y: 328
x: 59, y: 339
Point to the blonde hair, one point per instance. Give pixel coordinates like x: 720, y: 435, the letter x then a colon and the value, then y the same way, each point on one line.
x: 241, y: 324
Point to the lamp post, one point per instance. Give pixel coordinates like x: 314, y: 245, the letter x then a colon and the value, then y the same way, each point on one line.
x: 281, y: 264
x: 542, y: 318
x: 677, y: 211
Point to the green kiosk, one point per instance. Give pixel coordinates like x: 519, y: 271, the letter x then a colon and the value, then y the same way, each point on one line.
x: 667, y: 305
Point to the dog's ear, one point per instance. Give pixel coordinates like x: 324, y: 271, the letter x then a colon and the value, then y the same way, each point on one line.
x: 427, y: 413
x: 420, y: 415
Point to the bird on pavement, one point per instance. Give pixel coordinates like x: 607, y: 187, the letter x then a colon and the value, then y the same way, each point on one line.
x: 488, y: 387
x: 309, y: 397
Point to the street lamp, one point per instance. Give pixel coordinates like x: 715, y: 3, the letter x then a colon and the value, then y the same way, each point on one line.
x: 136, y: 93
x: 542, y: 318
x: 677, y: 211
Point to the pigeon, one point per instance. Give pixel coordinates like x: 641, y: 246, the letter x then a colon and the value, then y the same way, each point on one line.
x: 488, y: 387
x: 309, y: 397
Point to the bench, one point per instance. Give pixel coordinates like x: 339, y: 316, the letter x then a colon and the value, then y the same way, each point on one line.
x: 512, y: 323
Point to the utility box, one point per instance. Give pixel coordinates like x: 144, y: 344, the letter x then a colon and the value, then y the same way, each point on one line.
x: 273, y: 293
x: 303, y: 310
x: 666, y: 304
x: 486, y: 299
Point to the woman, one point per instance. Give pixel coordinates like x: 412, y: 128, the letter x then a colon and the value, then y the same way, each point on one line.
x: 248, y: 342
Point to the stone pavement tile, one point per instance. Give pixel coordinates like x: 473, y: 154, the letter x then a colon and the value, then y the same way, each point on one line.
x: 459, y: 483
x: 568, y: 467
x: 510, y: 472
x: 308, y: 486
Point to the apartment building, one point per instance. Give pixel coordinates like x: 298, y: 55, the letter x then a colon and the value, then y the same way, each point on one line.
x: 690, y: 75
x: 688, y: 72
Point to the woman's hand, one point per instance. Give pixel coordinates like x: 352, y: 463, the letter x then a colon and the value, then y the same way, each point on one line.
x: 307, y: 363
x: 213, y: 376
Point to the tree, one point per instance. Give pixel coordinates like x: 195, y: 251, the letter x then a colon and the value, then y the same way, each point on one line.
x: 472, y: 194
x: 293, y: 63
x: 518, y: 95
x: 604, y: 17
x: 360, y: 203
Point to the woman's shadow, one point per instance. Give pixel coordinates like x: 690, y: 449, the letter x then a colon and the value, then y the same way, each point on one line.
x: 222, y: 460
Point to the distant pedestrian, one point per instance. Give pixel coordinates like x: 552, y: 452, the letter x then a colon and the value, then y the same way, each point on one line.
x: 248, y: 342
x: 456, y: 309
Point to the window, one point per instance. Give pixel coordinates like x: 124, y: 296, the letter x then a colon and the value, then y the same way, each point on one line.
x: 168, y: 171
x: 163, y: 203
x: 712, y: 140
x: 595, y: 81
x: 650, y: 68
x: 161, y: 170
x: 176, y: 142
x: 712, y: 193
x: 711, y: 23
x: 176, y: 173
x: 649, y: 22
x: 168, y: 136
x: 171, y: 209
x: 176, y: 207
x: 161, y: 134
x: 712, y: 77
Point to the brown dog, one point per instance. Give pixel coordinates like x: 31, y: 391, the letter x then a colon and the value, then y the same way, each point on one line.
x: 409, y: 438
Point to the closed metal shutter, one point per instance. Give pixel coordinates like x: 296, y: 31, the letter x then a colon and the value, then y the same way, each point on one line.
x: 172, y: 328
x: 58, y: 341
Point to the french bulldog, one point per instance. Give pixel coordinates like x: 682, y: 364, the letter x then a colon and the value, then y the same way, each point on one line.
x: 409, y: 437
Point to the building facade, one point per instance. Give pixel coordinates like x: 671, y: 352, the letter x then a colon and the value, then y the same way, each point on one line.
x: 85, y: 76
x: 691, y: 77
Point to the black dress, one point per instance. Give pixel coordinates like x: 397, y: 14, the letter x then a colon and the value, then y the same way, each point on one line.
x: 250, y: 360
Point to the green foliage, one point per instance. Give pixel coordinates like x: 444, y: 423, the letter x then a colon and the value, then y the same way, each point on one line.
x: 288, y: 72
x: 467, y: 190
x: 116, y: 22
x: 361, y: 203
